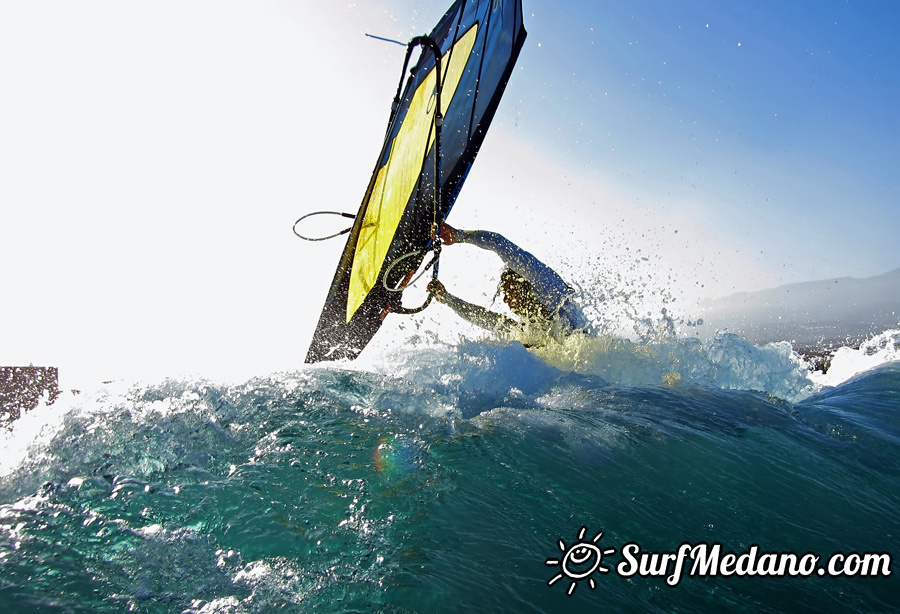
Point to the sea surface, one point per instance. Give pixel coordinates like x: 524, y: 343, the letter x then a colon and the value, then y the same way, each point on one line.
x: 461, y: 478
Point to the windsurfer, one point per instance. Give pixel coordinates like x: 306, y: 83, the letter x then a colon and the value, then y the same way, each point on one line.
x: 532, y: 290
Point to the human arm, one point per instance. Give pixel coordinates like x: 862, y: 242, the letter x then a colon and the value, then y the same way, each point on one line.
x: 549, y: 287
x: 475, y: 314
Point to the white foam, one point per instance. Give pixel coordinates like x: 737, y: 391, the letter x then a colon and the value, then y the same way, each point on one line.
x: 31, y: 433
x: 849, y: 362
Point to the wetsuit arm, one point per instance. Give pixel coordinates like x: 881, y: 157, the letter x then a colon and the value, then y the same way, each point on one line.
x: 478, y: 315
x: 548, y: 285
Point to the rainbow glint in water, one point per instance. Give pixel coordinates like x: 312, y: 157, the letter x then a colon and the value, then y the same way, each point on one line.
x: 397, y: 455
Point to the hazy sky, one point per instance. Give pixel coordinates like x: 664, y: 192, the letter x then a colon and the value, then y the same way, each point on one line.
x: 154, y: 155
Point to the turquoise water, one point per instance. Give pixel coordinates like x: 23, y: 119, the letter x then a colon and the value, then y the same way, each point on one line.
x: 444, y: 481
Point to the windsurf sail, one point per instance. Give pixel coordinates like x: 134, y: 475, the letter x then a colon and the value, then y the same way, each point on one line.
x: 437, y: 124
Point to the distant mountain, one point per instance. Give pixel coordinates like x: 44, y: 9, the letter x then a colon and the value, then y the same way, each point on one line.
x: 814, y: 314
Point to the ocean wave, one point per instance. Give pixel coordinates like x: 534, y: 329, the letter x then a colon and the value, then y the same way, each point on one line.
x: 439, y: 478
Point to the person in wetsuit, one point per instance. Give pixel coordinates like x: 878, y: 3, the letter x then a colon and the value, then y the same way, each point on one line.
x: 534, y: 292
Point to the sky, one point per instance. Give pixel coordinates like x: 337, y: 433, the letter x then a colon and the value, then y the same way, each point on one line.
x: 154, y: 156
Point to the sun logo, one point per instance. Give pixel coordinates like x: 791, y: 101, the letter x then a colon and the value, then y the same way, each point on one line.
x: 580, y: 561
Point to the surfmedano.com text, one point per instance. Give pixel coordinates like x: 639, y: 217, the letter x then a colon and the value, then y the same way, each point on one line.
x: 709, y: 560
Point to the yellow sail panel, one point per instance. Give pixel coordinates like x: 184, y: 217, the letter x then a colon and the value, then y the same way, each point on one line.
x: 396, y: 180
